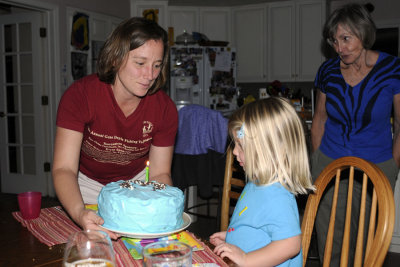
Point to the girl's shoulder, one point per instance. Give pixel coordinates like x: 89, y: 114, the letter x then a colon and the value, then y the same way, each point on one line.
x: 275, y: 190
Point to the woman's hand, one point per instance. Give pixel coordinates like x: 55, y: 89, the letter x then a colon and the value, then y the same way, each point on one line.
x: 232, y: 252
x: 218, y: 238
x: 89, y: 220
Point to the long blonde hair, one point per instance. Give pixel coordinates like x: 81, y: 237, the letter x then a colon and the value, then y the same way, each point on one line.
x: 274, y: 144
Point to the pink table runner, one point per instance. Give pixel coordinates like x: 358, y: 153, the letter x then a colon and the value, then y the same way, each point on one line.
x: 54, y: 226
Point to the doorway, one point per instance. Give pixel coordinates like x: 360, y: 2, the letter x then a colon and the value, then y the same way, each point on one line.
x: 25, y: 113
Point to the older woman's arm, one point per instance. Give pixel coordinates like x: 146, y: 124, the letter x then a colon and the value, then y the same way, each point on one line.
x: 319, y: 119
x: 396, y: 130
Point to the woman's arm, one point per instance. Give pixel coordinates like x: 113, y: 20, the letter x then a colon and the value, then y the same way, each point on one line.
x: 396, y: 130
x: 319, y: 119
x: 273, y: 254
x: 65, y: 170
x: 65, y: 177
x: 160, y: 164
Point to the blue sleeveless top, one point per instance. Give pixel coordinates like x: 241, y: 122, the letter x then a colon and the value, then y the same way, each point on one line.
x: 358, y: 121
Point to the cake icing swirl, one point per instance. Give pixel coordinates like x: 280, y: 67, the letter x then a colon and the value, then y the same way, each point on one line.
x: 140, y: 207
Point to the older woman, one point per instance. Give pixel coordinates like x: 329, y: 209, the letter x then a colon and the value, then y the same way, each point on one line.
x: 355, y: 96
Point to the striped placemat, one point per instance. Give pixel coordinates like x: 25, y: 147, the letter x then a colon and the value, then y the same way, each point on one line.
x: 53, y: 227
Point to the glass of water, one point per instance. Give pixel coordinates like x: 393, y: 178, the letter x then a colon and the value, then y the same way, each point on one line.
x: 89, y: 248
x: 168, y: 253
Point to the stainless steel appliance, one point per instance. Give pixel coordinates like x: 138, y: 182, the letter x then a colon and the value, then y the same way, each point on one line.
x: 203, y: 75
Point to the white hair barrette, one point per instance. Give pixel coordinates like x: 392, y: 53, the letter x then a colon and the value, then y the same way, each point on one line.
x: 240, y: 132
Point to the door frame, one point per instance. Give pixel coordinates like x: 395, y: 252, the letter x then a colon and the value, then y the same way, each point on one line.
x: 53, y: 74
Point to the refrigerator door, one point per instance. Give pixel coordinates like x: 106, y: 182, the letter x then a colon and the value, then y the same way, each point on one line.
x: 220, y: 79
x: 186, y: 75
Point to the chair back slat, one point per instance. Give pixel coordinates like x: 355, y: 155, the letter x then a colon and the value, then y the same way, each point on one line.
x: 237, y: 182
x: 361, y: 223
x: 331, y: 228
x: 347, y: 224
x: 372, y: 220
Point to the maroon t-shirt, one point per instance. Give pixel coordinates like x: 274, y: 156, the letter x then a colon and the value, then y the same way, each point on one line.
x: 115, y: 147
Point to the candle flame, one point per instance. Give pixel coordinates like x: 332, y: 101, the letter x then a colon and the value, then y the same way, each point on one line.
x: 148, y: 163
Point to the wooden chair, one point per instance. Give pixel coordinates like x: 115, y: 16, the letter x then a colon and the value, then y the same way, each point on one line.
x: 382, y: 213
x: 232, y: 187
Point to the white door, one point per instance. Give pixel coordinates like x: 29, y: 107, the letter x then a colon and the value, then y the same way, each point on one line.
x: 21, y: 112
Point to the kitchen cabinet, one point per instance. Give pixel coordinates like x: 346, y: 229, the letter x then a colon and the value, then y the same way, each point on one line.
x: 249, y: 39
x: 215, y: 23
x: 277, y: 40
x: 183, y: 18
x: 211, y: 21
x: 294, y: 39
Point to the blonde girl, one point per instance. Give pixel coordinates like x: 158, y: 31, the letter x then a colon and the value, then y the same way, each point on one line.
x: 270, y: 145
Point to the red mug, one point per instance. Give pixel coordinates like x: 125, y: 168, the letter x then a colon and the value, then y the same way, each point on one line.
x: 30, y: 204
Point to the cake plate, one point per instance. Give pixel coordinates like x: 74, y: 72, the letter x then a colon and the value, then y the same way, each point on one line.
x: 186, y: 222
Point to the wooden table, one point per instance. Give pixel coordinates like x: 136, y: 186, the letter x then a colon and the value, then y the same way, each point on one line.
x: 18, y: 246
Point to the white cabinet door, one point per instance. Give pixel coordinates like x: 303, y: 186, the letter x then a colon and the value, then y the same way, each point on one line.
x: 294, y: 39
x: 311, y: 18
x: 215, y: 23
x: 249, y: 31
x: 281, y: 41
x: 183, y: 18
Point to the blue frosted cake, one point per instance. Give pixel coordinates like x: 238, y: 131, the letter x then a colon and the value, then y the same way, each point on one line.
x: 139, y: 207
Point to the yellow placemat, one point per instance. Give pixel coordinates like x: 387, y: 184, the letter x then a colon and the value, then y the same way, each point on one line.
x: 135, y: 245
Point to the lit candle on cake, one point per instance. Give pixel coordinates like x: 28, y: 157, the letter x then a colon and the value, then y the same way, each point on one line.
x: 147, y: 170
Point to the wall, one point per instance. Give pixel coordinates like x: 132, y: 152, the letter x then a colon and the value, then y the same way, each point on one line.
x: 385, y: 10
x: 118, y: 8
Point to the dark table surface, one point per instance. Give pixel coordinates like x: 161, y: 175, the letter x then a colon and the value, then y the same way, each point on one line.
x: 18, y: 247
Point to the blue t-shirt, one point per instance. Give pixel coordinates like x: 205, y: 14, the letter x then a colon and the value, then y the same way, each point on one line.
x: 358, y: 121
x: 264, y: 214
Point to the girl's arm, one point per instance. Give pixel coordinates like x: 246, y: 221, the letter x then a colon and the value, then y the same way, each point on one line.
x: 318, y: 122
x: 273, y: 254
x: 396, y: 130
x: 160, y: 164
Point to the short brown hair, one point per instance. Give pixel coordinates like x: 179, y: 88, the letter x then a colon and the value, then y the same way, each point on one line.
x: 129, y: 35
x: 357, y: 19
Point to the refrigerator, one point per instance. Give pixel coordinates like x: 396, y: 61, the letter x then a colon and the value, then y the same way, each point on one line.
x: 204, y: 75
